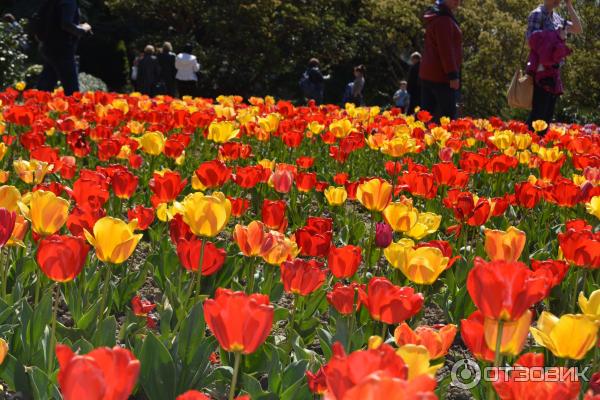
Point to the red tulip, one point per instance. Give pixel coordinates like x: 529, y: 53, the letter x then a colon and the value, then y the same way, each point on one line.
x: 282, y: 180
x: 527, y: 195
x: 343, y: 298
x: 240, y: 322
x: 317, y: 383
x: 389, y: 303
x: 102, y: 374
x: 248, y: 177
x: 61, y: 258
x: 144, y: 216
x: 472, y: 334
x: 558, y: 269
x: 213, y: 174
x: 239, y: 206
x: 91, y: 193
x: 344, y: 261
x: 344, y: 372
x: 124, y: 184
x: 189, y: 252
x: 83, y: 218
x: 7, y: 225
x: 302, y: 277
x: 580, y: 245
x: 193, y: 395
x: 273, y: 214
x: 178, y: 230
x: 505, y: 290
x: 166, y: 186
x: 305, y: 162
x: 141, y: 307
x: 306, y: 181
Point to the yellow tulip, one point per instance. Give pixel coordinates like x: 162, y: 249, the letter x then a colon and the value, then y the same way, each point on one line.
x: 47, y: 212
x: 570, y: 336
x: 152, y: 143
x: 20, y: 86
x: 523, y: 141
x: 593, y: 207
x: 427, y: 223
x: 3, y: 350
x: 401, y: 216
x: 222, y: 132
x: 503, y: 139
x: 341, y: 128
x: 440, y: 135
x: 590, y: 306
x: 315, y: 128
x: 374, y: 342
x: 539, y: 125
x: 524, y: 157
x: 399, y: 146
x: 113, y: 239
x: 206, y: 215
x: 4, y: 175
x: 336, y: 196
x: 514, y: 334
x: 270, y: 123
x: 552, y: 154
x: 375, y: 194
x: 397, y: 253
x: 9, y: 198
x: 3, y: 150
x: 416, y: 358
x: 422, y: 266
x: 32, y: 171
x: 504, y: 246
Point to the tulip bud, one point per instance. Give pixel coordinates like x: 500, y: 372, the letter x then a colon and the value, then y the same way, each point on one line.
x: 383, y: 235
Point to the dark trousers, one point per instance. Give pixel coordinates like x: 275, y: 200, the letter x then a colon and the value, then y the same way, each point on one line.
x: 439, y: 99
x: 187, y: 88
x: 543, y: 106
x: 59, y: 64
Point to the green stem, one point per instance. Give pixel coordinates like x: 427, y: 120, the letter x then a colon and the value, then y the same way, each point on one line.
x: 4, y: 271
x: 351, y: 319
x: 107, y: 276
x: 251, y: 278
x: 577, y: 272
x: 56, y: 291
x: 236, y: 369
x: 498, y: 353
x: 384, y: 331
x: 371, y: 241
x: 197, y: 298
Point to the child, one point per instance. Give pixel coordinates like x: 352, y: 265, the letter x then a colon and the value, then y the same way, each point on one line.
x: 401, y: 97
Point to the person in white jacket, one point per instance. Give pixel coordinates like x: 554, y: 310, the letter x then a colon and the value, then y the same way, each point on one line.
x: 187, y: 72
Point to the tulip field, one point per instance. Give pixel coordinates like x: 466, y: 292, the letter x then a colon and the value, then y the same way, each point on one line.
x: 162, y: 249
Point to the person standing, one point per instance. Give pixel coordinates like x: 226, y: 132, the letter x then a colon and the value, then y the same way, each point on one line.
x: 59, y: 30
x: 187, y: 67
x: 312, y: 82
x: 547, y: 86
x: 413, y: 85
x: 442, y: 60
x: 402, y: 98
x: 148, y: 75
x: 166, y: 60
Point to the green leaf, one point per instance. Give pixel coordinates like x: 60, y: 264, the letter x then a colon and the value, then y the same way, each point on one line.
x: 39, y: 319
x: 325, y: 340
x: 251, y: 386
x: 106, y: 333
x: 41, y: 385
x: 157, y: 375
x: 192, y: 332
x: 89, y: 316
x: 13, y: 373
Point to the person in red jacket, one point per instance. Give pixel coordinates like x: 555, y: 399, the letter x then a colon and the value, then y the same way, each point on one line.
x: 442, y: 60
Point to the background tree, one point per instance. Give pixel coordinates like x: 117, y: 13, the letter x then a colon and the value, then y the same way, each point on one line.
x: 260, y: 47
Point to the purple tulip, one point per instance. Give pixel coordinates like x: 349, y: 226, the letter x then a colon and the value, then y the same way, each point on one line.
x: 383, y: 235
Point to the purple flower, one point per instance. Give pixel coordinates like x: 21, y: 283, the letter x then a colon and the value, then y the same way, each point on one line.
x: 383, y: 235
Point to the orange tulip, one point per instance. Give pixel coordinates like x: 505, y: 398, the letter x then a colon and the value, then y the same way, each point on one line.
x: 514, y: 334
x: 250, y: 238
x: 437, y: 339
x: 504, y: 246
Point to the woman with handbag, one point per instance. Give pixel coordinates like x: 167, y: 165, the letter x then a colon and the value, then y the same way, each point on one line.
x: 546, y: 33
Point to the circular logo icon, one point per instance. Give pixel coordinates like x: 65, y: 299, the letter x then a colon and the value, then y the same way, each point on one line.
x: 465, y: 374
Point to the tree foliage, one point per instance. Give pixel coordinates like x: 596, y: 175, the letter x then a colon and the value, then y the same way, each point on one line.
x: 259, y: 47
x: 12, y: 54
